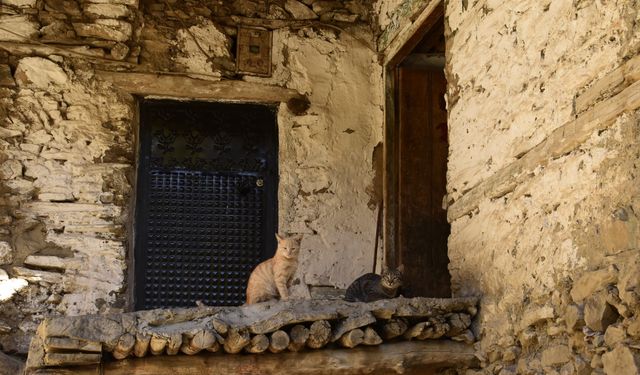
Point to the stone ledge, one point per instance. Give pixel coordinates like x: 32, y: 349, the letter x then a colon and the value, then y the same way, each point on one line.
x: 311, y: 323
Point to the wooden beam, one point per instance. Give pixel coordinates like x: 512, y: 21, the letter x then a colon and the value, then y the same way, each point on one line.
x: 396, y: 358
x: 45, y: 50
x: 183, y: 86
x: 560, y: 142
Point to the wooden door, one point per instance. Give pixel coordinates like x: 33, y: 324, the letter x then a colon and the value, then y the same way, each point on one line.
x: 423, y: 229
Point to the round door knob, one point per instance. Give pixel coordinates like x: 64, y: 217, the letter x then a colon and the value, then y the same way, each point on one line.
x: 259, y: 182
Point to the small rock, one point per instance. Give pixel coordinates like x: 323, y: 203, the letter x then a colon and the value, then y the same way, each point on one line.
x: 598, y: 314
x: 39, y: 73
x: 592, y: 282
x: 596, y: 361
x: 107, y: 10
x: 556, y: 355
x: 108, y: 29
x: 321, y: 7
x: 6, y: 253
x: 634, y: 327
x: 3, y: 275
x: 574, y: 317
x: 8, y: 288
x: 299, y: 11
x: 6, y: 79
x: 614, y: 335
x: 511, y: 353
x: 621, y: 361
x: 536, y: 315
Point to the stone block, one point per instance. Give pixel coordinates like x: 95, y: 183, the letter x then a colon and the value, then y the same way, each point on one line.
x: 107, y: 10
x: 614, y: 335
x: 108, y: 29
x: 621, y: 361
x: 556, y: 355
x: 633, y: 328
x: 299, y: 11
x: 11, y: 169
x: 36, y: 72
x: 321, y: 7
x: 133, y: 3
x: 6, y: 253
x: 37, y: 275
x: 598, y: 313
x: 536, y: 315
x: 591, y: 282
x: 18, y: 28
x: 574, y: 317
x: 46, y: 261
x: 20, y: 3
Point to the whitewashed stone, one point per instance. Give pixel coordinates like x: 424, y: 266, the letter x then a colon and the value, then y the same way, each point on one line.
x: 3, y: 275
x: 108, y: 29
x: 36, y: 276
x: 6, y: 253
x: 299, y: 11
x: 18, y: 28
x: 45, y: 261
x: 8, y: 288
x: 107, y: 10
x: 36, y: 72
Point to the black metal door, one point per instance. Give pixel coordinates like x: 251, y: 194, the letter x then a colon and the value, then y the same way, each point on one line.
x: 207, y: 197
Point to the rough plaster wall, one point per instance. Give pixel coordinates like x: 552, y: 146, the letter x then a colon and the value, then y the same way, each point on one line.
x: 67, y: 152
x: 514, y: 71
x: 543, y: 53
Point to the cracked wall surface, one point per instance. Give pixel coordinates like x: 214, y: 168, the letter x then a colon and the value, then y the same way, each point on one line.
x: 68, y: 139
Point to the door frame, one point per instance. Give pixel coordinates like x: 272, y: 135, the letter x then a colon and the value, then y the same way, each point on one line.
x: 391, y: 122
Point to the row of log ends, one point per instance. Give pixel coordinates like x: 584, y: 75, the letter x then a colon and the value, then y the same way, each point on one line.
x: 295, y: 338
x: 84, y: 340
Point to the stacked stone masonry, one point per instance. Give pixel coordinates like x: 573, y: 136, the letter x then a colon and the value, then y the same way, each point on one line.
x: 68, y: 146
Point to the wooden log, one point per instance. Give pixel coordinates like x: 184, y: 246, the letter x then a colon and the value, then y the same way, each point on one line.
x: 393, y: 328
x: 174, y: 343
x: 65, y: 343
x: 201, y: 340
x: 319, y: 334
x: 157, y: 344
x: 371, y: 337
x: 466, y: 337
x: 124, y: 346
x: 351, y: 323
x: 410, y: 357
x: 278, y: 342
x: 236, y: 340
x: 71, y: 359
x: 415, y: 331
x: 352, y: 338
x: 458, y: 323
x: 259, y: 343
x: 298, y: 336
x: 141, y: 347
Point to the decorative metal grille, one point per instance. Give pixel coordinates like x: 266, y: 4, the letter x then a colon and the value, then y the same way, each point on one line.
x: 206, y: 207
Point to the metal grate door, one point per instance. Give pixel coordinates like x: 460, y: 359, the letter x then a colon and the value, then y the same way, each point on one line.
x: 206, y: 211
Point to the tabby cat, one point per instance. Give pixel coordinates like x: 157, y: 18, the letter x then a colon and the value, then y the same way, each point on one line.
x: 372, y: 287
x: 271, y: 278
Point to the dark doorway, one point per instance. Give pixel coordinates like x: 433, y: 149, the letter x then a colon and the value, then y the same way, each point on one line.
x: 421, y: 150
x: 206, y: 208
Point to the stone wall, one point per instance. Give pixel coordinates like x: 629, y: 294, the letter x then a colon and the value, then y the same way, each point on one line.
x: 68, y: 139
x: 543, y: 181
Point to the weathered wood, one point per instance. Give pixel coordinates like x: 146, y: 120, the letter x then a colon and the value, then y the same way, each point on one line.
x: 298, y: 336
x: 352, y: 338
x: 610, y: 84
x: 393, y: 358
x: 65, y: 343
x: 458, y: 323
x: 393, y: 328
x: 157, y: 344
x: 556, y: 144
x: 203, y: 339
x: 141, y: 346
x: 26, y: 49
x: 71, y: 359
x: 351, y: 323
x: 371, y: 337
x: 236, y: 340
x: 319, y: 334
x: 124, y: 346
x: 415, y: 331
x: 174, y: 343
x: 258, y: 344
x: 183, y: 86
x: 278, y: 341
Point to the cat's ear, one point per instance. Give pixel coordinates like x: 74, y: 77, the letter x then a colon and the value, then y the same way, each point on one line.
x: 278, y: 237
x: 401, y: 268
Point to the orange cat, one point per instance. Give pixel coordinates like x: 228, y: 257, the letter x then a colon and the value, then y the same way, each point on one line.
x: 271, y: 278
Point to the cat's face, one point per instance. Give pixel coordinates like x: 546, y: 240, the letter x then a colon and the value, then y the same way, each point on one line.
x: 289, y: 246
x: 392, y: 278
